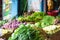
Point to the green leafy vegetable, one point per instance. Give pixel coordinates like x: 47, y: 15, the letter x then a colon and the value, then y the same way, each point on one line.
x: 26, y: 33
x: 36, y: 16
x: 47, y: 20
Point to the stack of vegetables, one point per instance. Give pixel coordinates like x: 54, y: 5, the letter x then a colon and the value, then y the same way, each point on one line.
x: 46, y: 21
x: 40, y: 20
x: 26, y: 32
x: 34, y: 17
x: 11, y: 25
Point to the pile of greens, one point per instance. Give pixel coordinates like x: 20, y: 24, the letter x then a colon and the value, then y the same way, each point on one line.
x: 40, y: 19
x: 26, y: 33
x: 46, y: 21
x: 36, y: 16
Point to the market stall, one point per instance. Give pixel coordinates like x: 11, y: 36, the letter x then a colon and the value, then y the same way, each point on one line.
x: 38, y: 23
